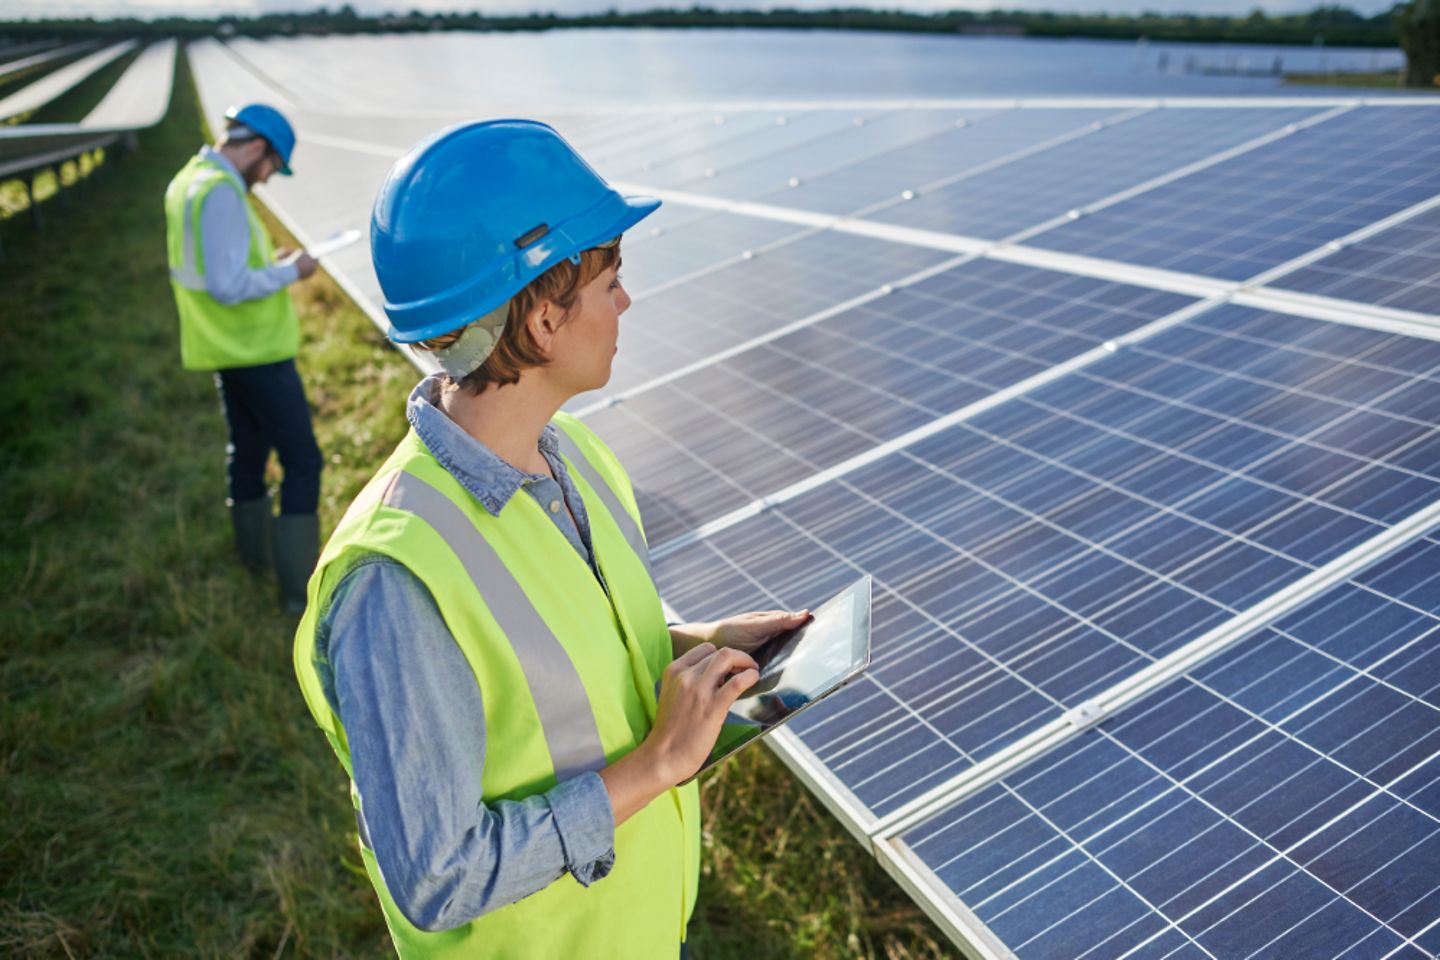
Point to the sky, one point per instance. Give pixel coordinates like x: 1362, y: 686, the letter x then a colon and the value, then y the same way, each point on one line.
x: 14, y: 9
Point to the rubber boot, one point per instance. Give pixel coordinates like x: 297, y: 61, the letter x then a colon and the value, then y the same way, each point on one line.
x: 297, y: 546
x: 251, y: 520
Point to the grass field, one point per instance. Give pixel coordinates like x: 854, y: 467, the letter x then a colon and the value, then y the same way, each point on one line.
x: 165, y: 792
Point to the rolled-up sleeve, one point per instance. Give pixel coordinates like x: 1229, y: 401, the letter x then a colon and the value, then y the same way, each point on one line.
x: 225, y: 243
x: 414, y: 718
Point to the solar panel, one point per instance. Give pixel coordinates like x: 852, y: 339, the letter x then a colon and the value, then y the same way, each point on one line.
x: 678, y: 244
x: 1154, y: 473
x: 1034, y: 189
x: 909, y: 166
x: 1399, y: 267
x: 854, y: 137
x: 1270, y: 205
x: 748, y: 298
x: 1281, y: 800
x: 698, y: 446
x: 1039, y: 552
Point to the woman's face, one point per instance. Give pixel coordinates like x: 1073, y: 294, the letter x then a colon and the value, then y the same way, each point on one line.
x: 585, y: 344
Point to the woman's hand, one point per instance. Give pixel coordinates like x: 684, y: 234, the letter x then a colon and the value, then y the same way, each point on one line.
x: 744, y: 631
x: 696, y: 693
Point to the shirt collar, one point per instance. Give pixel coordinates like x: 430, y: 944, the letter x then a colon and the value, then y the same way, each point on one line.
x: 479, y: 469
x: 211, y: 155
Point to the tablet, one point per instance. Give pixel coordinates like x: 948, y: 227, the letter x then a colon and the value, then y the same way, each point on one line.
x: 800, y: 668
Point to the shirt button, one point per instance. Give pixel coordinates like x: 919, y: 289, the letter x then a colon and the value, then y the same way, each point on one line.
x: 554, y: 506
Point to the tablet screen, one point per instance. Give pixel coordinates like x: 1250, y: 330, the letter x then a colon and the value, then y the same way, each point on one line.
x: 800, y: 667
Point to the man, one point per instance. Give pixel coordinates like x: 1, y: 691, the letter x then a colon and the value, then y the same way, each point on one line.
x: 236, y: 318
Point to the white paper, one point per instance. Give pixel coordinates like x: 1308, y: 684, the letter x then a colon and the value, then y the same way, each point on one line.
x: 338, y: 241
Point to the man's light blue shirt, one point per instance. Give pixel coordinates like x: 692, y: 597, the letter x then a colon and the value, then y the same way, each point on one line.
x: 225, y: 245
x: 415, y: 720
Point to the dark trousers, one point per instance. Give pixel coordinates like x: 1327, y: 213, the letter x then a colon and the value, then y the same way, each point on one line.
x: 266, y: 410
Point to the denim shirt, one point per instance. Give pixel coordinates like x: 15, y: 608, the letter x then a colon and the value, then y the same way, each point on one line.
x: 415, y: 720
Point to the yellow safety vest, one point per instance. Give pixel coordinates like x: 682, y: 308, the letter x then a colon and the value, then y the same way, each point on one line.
x: 567, y: 674
x: 215, y: 335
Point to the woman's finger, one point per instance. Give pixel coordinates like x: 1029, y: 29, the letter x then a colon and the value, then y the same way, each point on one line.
x: 738, y: 684
x: 727, y: 660
x: 695, y: 655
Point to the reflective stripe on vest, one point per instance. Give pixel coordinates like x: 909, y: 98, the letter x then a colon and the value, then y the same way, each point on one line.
x: 187, y: 273
x: 555, y: 686
x: 628, y: 527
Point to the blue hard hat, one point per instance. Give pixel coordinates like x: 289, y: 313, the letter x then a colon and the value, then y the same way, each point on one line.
x: 270, y: 124
x: 474, y: 213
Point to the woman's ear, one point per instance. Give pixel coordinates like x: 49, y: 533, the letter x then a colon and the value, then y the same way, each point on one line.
x: 543, y: 321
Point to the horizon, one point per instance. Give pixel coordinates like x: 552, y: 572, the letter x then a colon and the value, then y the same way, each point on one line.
x: 27, y: 10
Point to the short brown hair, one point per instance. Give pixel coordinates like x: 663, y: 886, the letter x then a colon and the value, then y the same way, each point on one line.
x: 517, y: 350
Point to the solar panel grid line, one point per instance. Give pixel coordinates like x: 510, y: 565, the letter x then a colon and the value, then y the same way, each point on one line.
x: 1237, y: 220
x: 1214, y: 159
x: 1039, y: 321
x: 778, y: 150
x: 989, y: 165
x: 1354, y: 313
x: 975, y: 940
x: 741, y: 207
x: 1152, y: 677
x: 861, y: 743
x: 1095, y: 546
x: 769, y: 247
x: 1397, y: 269
x: 1174, y: 923
x: 834, y: 795
x: 901, y: 144
x: 738, y: 129
x: 1267, y: 726
x: 1157, y: 706
x: 1285, y: 854
x: 905, y: 708
x: 935, y: 237
x: 608, y: 151
x: 776, y: 334
x: 1119, y: 881
x: 1344, y: 311
x: 920, y: 433
x: 1340, y: 243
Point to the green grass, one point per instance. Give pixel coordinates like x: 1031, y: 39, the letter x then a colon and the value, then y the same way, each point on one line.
x: 1387, y: 79
x: 166, y: 793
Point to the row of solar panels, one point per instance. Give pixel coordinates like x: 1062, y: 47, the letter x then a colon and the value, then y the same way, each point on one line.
x: 138, y: 99
x: 1088, y: 474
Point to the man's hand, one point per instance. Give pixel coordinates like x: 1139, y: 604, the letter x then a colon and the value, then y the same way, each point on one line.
x: 304, y: 263
x: 744, y: 631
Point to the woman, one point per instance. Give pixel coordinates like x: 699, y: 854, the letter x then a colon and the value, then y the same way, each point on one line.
x: 483, y: 642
